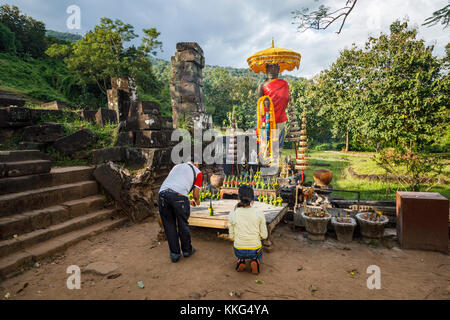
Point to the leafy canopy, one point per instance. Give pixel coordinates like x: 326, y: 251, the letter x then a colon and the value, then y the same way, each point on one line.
x: 102, y: 54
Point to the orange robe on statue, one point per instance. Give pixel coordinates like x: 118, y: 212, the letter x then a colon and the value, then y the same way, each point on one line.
x: 278, y: 91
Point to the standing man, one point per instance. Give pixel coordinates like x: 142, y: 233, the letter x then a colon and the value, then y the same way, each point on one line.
x: 174, y: 206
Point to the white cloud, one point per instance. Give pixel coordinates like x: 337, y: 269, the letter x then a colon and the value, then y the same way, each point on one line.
x: 229, y: 31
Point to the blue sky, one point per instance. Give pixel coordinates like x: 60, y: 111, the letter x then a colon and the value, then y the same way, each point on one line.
x: 229, y: 31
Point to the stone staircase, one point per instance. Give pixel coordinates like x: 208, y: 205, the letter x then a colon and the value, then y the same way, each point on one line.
x: 45, y: 210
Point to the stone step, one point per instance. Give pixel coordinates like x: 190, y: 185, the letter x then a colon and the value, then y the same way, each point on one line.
x: 21, y: 155
x: 13, y: 263
x: 23, y: 223
x: 27, y: 240
x: 19, y: 202
x: 23, y: 168
x: 56, y: 176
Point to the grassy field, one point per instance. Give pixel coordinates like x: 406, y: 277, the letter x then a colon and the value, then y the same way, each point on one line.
x: 362, y: 163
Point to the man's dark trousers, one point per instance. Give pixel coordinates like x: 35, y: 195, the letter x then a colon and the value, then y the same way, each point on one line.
x: 173, y: 208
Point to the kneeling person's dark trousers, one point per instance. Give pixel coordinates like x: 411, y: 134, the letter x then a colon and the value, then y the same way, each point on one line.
x: 175, y: 208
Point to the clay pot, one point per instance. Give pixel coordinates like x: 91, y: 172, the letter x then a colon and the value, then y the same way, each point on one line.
x: 316, y: 227
x: 371, y: 229
x: 217, y: 180
x: 344, y: 230
x: 322, y: 177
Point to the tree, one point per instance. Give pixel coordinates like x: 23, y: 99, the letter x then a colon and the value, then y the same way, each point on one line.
x: 29, y: 33
x: 306, y: 97
x: 340, y: 87
x: 217, y: 87
x: 401, y: 90
x: 323, y: 17
x: 101, y: 54
x: 7, y: 40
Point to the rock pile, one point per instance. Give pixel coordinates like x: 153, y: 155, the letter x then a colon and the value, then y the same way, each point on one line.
x: 144, y: 138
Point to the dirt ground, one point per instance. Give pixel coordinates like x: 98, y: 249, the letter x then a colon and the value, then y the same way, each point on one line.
x: 295, y: 269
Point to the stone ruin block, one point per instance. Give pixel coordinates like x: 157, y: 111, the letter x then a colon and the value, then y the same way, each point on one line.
x: 166, y: 123
x: 115, y: 154
x: 125, y: 139
x: 113, y: 99
x: 43, y: 133
x: 153, y: 139
x: 56, y: 105
x: 146, y: 122
x: 120, y: 83
x: 186, y: 86
x: 158, y: 158
x: 190, y: 56
x: 119, y: 101
x: 18, y: 114
x: 149, y: 107
x: 39, y: 114
x: 17, y: 117
x: 89, y: 115
x: 181, y: 46
x: 122, y: 96
x: 106, y: 116
x: 9, y: 99
x: 74, y: 142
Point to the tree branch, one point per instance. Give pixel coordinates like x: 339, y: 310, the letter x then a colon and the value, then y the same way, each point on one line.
x: 321, y: 19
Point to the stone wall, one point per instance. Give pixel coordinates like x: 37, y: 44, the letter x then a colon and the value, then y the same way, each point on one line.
x: 186, y: 87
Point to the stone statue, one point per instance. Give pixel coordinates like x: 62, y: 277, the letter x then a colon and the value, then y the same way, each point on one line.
x: 278, y: 90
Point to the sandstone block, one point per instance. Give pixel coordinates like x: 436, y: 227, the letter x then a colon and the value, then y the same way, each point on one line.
x: 9, y: 99
x: 115, y: 154
x: 44, y: 133
x: 75, y: 142
x: 106, y: 116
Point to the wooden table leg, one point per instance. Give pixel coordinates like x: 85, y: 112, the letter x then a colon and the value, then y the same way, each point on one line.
x: 268, y: 243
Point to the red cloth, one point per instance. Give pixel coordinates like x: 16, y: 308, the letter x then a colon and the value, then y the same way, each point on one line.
x: 278, y: 91
x: 198, y: 180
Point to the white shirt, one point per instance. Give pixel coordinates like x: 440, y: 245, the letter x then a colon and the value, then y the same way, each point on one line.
x: 181, y: 178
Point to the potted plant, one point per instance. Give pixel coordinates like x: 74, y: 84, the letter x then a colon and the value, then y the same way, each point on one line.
x: 372, y: 224
x: 316, y: 223
x: 344, y: 227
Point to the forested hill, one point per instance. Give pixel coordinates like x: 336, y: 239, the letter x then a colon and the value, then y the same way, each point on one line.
x: 161, y: 68
x: 66, y: 36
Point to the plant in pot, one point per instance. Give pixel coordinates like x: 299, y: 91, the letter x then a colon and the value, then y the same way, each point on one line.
x: 371, y: 224
x: 344, y: 227
x: 316, y: 223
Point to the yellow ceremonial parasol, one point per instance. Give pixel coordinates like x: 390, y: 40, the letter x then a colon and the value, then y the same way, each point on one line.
x: 286, y: 59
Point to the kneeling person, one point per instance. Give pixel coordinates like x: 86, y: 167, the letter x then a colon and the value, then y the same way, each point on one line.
x: 247, y: 226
